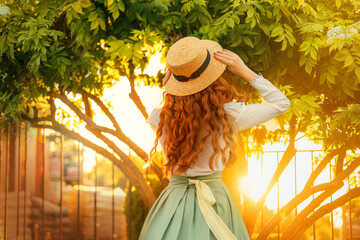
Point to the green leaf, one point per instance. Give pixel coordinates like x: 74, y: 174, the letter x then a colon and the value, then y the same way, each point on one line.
x: 65, y: 61
x: 357, y: 72
x: 77, y: 7
x: 222, y: 18
x: 313, y: 53
x: 236, y: 19
x: 236, y: 42
x: 248, y: 42
x: 102, y: 24
x: 348, y: 90
x: 265, y: 29
x: 230, y: 22
x: 348, y: 60
x: 283, y: 45
x: 338, y: 3
x: 331, y: 79
x: 280, y: 38
x: 121, y: 5
x: 250, y: 12
x: 85, y: 3
x: 93, y: 16
x: 310, y: 100
x: 94, y: 24
x: 296, y: 109
x: 8, y: 109
x: 43, y: 50
x: 277, y: 31
x: 253, y: 23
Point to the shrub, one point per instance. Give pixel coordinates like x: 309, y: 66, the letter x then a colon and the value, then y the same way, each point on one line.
x: 135, y: 209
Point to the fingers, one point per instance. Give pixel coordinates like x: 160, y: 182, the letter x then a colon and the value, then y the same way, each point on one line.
x: 166, y: 77
x: 223, y: 58
x: 223, y: 55
x: 233, y: 62
x: 227, y: 53
x: 168, y: 72
x: 229, y: 56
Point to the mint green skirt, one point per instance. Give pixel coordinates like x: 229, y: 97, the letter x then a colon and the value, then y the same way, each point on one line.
x: 176, y: 215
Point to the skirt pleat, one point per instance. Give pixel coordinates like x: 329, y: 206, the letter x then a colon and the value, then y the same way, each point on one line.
x: 176, y: 214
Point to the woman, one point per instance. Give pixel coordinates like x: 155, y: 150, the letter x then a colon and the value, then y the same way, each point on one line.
x: 197, y: 127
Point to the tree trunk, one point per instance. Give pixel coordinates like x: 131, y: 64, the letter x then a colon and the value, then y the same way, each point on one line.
x: 254, y: 212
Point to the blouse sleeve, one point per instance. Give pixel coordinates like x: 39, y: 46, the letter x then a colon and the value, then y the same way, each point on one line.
x: 247, y: 116
x: 154, y: 118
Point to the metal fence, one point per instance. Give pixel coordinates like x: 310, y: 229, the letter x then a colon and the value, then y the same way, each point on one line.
x: 28, y: 211
x: 348, y: 216
x: 27, y: 208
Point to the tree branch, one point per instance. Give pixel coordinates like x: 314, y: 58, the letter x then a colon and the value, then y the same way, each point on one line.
x: 52, y: 108
x: 88, y: 111
x: 284, y: 162
x: 327, y: 208
x: 36, y: 120
x: 104, y: 109
x: 340, y: 162
x: 300, y: 218
x: 286, y: 158
x: 82, y: 115
x: 135, y: 97
x: 124, y: 163
x: 122, y: 137
x: 291, y: 205
x: 322, y: 165
x: 96, y: 130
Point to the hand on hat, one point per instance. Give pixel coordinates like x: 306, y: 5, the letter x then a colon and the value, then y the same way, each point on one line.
x: 166, y: 77
x: 235, y: 64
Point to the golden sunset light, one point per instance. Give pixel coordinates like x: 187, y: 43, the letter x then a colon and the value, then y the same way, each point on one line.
x: 260, y: 120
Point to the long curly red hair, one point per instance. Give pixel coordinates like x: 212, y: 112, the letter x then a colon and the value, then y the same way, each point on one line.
x: 189, y: 120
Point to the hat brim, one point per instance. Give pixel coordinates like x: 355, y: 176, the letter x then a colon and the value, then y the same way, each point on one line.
x: 210, y: 75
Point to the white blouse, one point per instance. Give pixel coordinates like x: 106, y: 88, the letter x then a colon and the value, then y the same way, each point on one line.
x: 246, y: 116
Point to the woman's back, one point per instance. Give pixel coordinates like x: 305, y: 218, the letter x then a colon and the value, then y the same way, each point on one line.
x: 243, y: 117
x: 197, y: 127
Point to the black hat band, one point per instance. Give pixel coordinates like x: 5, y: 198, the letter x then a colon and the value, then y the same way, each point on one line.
x: 197, y: 73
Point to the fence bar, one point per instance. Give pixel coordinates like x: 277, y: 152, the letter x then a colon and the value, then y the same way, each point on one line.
x: 61, y: 183
x: 296, y: 209
x: 43, y: 187
x: 78, y: 193
x: 278, y: 194
x: 19, y: 186
x: 312, y: 169
x: 113, y: 201
x: 95, y: 214
x: 304, y: 151
x: 7, y: 173
x: 350, y: 210
x: 98, y: 229
x: 48, y: 236
x: 1, y: 145
x: 332, y: 212
x: 36, y: 232
x: 262, y: 175
x: 25, y: 172
x: 130, y: 209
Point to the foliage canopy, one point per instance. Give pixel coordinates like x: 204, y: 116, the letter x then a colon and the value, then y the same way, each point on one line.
x: 310, y: 49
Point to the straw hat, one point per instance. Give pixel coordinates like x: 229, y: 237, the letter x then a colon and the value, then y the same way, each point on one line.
x: 193, y: 66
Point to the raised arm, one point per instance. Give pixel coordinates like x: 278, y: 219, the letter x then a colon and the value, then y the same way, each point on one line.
x: 253, y: 114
